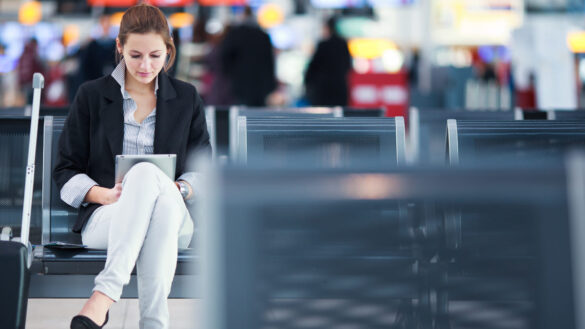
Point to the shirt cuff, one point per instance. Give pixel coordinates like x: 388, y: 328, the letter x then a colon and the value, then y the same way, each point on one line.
x: 74, y: 191
x: 193, y: 179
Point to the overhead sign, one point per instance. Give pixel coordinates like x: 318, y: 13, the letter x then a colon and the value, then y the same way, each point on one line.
x: 478, y: 22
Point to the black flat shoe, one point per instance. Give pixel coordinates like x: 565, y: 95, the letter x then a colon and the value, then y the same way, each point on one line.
x: 83, y: 322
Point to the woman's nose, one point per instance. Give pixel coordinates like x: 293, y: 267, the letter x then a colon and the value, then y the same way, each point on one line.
x: 145, y: 63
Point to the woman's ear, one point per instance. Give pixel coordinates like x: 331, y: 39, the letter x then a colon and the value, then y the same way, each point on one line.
x: 119, y: 46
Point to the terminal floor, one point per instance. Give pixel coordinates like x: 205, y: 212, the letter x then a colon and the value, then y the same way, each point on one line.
x: 57, y: 313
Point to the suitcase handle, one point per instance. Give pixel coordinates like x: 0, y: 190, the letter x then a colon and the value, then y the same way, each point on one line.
x: 38, y: 84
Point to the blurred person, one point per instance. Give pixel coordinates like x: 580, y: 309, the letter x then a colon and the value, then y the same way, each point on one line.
x: 142, y: 221
x: 486, y: 72
x: 200, y: 34
x: 28, y: 64
x: 4, y: 68
x: 98, y: 56
x: 247, y: 59
x: 55, y: 91
x: 326, y: 75
x: 218, y: 86
x: 413, y: 68
x: 73, y: 75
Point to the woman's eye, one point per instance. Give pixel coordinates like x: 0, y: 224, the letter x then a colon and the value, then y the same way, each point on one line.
x: 155, y: 56
x: 135, y: 56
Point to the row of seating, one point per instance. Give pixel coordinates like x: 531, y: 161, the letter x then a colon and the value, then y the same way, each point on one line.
x: 425, y: 137
x: 460, y: 247
x: 427, y: 130
x: 287, y: 138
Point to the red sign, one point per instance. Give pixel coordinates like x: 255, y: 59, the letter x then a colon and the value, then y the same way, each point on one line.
x: 171, y: 3
x: 223, y: 2
x: 112, y: 3
x: 389, y: 90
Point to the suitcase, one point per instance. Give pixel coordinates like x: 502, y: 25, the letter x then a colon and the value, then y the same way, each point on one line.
x: 16, y: 255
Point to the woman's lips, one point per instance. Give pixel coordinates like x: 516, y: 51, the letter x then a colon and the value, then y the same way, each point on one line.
x: 144, y: 75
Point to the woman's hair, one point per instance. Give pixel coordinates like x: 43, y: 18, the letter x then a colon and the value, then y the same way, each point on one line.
x: 145, y: 18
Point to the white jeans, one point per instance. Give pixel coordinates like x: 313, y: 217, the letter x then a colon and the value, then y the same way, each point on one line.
x: 146, y: 226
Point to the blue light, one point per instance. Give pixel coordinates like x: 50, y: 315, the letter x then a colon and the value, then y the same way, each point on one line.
x: 283, y: 37
x: 489, y: 54
x: 486, y: 53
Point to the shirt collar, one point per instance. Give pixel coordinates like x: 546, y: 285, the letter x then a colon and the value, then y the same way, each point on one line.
x: 119, y: 74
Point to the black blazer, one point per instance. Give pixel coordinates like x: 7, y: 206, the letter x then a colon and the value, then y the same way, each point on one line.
x: 94, y: 131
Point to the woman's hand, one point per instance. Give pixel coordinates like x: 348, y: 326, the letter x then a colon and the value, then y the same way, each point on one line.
x: 102, y: 195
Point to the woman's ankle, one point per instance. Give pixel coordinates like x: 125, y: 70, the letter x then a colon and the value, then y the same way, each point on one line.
x: 96, y: 307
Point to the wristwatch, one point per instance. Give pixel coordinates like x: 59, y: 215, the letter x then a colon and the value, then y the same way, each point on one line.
x: 184, y: 189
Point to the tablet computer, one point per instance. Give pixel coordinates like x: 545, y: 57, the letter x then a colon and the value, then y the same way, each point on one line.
x: 165, y: 162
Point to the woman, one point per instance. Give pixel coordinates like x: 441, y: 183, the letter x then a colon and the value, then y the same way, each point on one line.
x: 138, y: 109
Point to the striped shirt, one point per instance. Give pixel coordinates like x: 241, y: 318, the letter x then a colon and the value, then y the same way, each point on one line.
x: 138, y: 139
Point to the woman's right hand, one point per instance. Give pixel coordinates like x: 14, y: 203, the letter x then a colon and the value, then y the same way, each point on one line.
x: 102, y: 195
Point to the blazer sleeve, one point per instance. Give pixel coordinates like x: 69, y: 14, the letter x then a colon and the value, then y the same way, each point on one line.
x: 73, y: 152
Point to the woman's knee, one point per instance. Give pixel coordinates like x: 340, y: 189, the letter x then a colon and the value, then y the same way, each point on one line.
x: 143, y: 172
x: 170, y: 210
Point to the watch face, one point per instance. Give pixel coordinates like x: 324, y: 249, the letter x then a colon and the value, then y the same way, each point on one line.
x: 183, y: 189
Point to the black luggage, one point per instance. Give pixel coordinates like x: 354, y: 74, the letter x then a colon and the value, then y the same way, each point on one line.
x: 15, y: 277
x: 16, y: 255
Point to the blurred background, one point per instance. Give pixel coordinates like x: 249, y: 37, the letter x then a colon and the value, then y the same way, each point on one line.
x: 441, y: 54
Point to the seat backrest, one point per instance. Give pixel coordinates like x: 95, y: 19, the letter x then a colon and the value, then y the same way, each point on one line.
x: 58, y: 217
x: 363, y: 111
x: 54, y: 111
x: 526, y: 141
x: 12, y: 111
x: 324, y: 142
x: 211, y: 129
x: 328, y: 239
x: 427, y: 130
x: 221, y: 117
x: 26, y: 111
x: 14, y: 139
x: 265, y: 112
x: 566, y: 114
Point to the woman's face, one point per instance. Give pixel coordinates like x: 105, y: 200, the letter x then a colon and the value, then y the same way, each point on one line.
x: 145, y: 56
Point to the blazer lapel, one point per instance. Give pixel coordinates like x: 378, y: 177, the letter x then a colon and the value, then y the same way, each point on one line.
x: 112, y: 116
x: 165, y: 114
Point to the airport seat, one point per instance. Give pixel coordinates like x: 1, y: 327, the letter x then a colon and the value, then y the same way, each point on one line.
x: 310, y: 253
x: 275, y: 113
x: 225, y: 119
x: 323, y: 142
x: 427, y: 132
x: 324, y: 248
x: 524, y: 141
